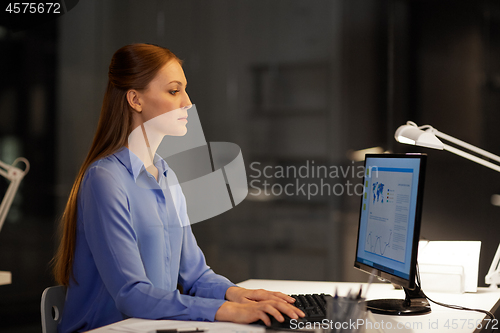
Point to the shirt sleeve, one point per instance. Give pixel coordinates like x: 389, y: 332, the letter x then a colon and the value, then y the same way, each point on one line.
x: 195, y: 276
x: 113, y: 243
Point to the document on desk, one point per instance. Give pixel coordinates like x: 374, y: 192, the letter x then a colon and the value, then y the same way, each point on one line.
x: 463, y: 253
x: 150, y: 326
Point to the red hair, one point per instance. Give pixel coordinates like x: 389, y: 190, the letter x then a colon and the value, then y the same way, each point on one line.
x: 132, y: 67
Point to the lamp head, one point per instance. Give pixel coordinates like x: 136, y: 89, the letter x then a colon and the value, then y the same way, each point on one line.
x: 413, y: 135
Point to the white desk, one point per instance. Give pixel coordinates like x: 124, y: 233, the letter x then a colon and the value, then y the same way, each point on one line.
x: 5, y: 278
x: 433, y: 322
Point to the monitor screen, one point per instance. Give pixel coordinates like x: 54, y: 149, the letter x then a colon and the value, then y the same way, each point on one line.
x: 389, y: 224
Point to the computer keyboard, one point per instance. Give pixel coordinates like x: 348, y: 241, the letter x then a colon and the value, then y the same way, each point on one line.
x: 313, y: 306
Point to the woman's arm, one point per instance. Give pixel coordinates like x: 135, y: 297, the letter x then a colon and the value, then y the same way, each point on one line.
x: 196, y: 278
x: 112, y: 240
x: 245, y: 305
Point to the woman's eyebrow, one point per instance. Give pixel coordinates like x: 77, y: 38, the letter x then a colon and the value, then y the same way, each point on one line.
x: 178, y: 82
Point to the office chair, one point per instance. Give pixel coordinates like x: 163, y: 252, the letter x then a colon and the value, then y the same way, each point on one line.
x: 51, y: 308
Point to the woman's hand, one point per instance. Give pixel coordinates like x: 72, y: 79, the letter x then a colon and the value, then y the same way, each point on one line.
x: 246, y: 313
x: 243, y: 295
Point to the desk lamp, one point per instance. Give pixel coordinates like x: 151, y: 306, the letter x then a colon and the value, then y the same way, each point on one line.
x: 427, y: 136
x: 15, y: 175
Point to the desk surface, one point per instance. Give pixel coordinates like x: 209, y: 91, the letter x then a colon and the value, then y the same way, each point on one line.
x: 441, y: 319
x: 5, y: 277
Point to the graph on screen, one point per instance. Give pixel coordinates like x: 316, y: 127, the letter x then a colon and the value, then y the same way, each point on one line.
x: 387, y: 225
x: 378, y: 243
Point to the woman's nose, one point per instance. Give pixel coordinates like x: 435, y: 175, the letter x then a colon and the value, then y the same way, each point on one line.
x: 186, y: 103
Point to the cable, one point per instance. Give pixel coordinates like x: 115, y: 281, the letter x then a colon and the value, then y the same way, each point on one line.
x: 456, y: 307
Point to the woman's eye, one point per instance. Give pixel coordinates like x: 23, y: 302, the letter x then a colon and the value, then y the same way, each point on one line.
x: 173, y: 92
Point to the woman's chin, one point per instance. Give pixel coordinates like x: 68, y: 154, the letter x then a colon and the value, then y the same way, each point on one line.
x: 179, y: 132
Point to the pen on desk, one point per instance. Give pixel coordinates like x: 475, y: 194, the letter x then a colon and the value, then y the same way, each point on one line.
x: 335, y: 305
x: 360, y: 292
x: 348, y: 294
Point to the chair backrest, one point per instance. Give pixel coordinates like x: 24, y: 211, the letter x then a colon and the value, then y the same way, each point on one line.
x: 51, y: 308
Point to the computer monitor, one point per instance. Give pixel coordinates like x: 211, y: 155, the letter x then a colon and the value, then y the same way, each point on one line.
x: 389, y: 227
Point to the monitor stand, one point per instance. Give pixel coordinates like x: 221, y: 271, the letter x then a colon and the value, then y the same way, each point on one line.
x: 415, y: 303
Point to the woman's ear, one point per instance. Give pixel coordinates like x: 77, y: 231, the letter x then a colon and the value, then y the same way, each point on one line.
x: 134, y: 100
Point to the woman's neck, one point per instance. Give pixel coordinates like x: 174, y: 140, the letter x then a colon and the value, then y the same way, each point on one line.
x: 143, y: 142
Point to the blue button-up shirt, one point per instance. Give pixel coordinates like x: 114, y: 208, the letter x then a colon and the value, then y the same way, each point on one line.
x: 134, y: 244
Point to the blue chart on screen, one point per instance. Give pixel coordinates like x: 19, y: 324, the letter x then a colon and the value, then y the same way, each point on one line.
x: 387, y: 223
x: 378, y: 189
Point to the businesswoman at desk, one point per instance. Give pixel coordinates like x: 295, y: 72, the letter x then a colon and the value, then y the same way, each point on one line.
x: 122, y: 254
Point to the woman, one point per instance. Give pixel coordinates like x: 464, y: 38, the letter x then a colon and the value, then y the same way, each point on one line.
x: 123, y: 249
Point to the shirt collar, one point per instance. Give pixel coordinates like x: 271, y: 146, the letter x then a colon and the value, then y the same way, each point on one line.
x: 134, y: 164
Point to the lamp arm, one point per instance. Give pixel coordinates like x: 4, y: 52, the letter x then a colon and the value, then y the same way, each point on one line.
x: 15, y: 175
x: 432, y: 141
x: 493, y: 276
x: 466, y: 145
x: 471, y: 157
x: 7, y: 200
x: 3, y: 172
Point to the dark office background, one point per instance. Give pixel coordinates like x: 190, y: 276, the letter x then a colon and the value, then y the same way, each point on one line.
x: 290, y: 82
